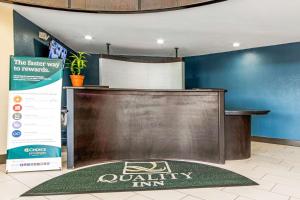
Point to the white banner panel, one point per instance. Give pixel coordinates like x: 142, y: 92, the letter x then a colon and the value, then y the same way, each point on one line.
x: 124, y: 74
x: 34, y: 127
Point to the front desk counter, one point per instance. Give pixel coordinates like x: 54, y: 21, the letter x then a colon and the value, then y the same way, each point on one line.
x: 238, y: 133
x: 123, y: 124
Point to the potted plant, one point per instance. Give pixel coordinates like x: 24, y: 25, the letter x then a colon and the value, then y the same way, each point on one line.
x: 76, y: 63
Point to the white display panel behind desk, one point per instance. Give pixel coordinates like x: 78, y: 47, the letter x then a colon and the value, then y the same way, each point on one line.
x: 141, y: 75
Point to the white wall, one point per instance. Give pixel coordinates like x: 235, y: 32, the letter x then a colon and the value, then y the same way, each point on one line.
x: 6, y: 49
x: 123, y: 74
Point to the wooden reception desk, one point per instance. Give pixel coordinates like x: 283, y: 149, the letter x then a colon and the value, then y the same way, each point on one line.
x: 238, y: 133
x: 122, y: 124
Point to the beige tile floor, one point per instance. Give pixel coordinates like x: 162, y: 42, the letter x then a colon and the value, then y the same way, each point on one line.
x: 275, y: 167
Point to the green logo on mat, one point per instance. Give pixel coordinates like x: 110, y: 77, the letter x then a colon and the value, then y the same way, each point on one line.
x: 145, y: 174
x: 146, y: 167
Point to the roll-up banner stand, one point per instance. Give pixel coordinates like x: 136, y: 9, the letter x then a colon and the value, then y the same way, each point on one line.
x: 34, y: 125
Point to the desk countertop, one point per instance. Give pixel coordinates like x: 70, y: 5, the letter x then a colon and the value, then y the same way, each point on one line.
x: 146, y: 90
x: 246, y: 112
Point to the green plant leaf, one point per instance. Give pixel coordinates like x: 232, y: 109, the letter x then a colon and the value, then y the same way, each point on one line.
x: 77, y: 62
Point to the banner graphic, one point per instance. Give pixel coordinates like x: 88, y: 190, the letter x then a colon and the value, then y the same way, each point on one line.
x: 34, y: 125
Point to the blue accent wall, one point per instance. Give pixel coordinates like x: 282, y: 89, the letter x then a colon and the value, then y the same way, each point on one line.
x: 92, y: 71
x: 260, y: 78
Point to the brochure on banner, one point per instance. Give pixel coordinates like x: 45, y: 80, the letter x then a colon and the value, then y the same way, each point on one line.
x: 34, y: 125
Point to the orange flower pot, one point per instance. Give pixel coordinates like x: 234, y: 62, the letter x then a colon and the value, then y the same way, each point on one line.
x: 77, y: 80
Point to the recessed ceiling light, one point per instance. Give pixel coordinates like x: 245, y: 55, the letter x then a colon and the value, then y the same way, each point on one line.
x: 160, y: 41
x: 236, y: 44
x: 88, y: 37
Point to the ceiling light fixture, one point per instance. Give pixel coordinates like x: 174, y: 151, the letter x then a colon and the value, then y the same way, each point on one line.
x: 236, y: 44
x: 88, y: 37
x: 160, y: 41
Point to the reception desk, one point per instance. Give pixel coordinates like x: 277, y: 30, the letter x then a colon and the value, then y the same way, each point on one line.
x: 122, y: 124
x: 238, y: 133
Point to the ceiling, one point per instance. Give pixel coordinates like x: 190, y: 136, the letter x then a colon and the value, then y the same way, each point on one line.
x: 196, y: 31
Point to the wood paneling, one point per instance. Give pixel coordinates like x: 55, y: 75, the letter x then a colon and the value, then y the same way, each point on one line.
x: 157, y: 4
x: 121, y: 5
x: 95, y: 4
x: 78, y: 4
x: 106, y: 5
x: 191, y: 2
x: 114, y: 5
x: 165, y: 4
x: 3, y: 159
x: 47, y: 3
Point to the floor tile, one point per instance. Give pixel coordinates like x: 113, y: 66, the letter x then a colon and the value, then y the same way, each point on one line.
x: 287, y: 190
x: 295, y: 169
x: 256, y: 158
x: 243, y: 198
x: 30, y: 198
x: 190, y: 198
x: 12, y: 189
x: 239, y: 165
x: 209, y: 194
x: 163, y: 194
x: 61, y: 197
x: 4, y: 177
x: 283, y: 166
x: 138, y: 197
x: 273, y: 168
x: 252, y: 174
x: 293, y: 198
x: 114, y: 195
x: 2, y: 168
x: 283, y: 180
x: 264, y: 185
x: 254, y: 193
x: 54, y: 174
x: 84, y: 197
x: 30, y: 179
x: 295, y: 157
x: 285, y: 174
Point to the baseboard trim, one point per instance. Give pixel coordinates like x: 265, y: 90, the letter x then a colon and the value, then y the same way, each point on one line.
x: 295, y: 143
x: 2, y: 158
